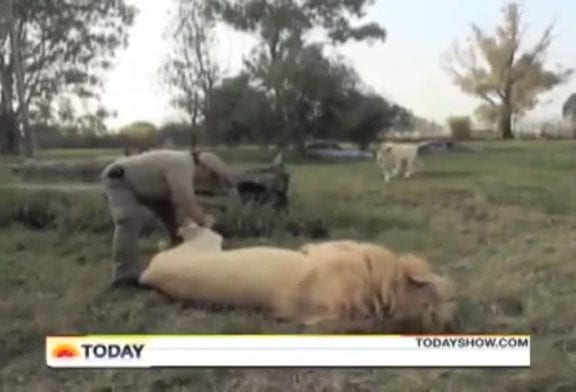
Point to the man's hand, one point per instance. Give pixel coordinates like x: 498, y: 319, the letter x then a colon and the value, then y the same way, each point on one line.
x: 209, y: 221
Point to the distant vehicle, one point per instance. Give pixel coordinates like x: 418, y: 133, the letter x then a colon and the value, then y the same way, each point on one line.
x: 433, y: 146
x: 332, y: 149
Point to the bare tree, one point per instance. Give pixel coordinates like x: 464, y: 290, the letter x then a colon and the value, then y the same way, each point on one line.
x: 191, y: 70
x: 498, y: 70
x: 15, y: 47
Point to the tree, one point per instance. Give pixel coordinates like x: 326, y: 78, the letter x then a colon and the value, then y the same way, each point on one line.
x: 9, y: 137
x: 315, y: 92
x: 367, y: 115
x: 500, y: 71
x: 65, y: 46
x: 460, y: 127
x: 191, y: 70
x: 16, y: 50
x: 142, y: 133
x: 569, y: 108
x: 282, y: 27
x: 176, y: 133
x: 93, y: 123
x: 569, y: 112
x: 242, y: 113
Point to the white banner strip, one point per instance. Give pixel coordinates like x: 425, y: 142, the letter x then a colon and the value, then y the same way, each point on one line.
x: 144, y: 351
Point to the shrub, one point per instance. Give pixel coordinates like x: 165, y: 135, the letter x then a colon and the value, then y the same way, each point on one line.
x: 84, y: 211
x: 87, y: 171
x: 43, y: 209
x: 249, y: 220
x: 460, y: 127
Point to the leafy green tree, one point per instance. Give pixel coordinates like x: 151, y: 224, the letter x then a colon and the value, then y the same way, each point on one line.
x: 242, y: 113
x: 282, y: 28
x: 142, y: 133
x: 460, y: 127
x: 498, y: 69
x: 315, y: 89
x: 368, y: 115
x: 65, y: 47
x: 178, y: 133
x: 93, y: 123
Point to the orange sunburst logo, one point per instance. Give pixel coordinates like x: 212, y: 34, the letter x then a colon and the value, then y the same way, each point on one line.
x: 65, y: 351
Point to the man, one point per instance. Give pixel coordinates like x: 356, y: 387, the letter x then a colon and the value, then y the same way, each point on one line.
x: 161, y: 182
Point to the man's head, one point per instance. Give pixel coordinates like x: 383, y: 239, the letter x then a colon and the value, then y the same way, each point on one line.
x: 211, y: 172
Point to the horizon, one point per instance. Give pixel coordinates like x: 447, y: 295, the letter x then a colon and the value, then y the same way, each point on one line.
x: 405, y: 68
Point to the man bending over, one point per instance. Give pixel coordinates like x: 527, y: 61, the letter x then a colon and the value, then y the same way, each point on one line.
x: 161, y: 182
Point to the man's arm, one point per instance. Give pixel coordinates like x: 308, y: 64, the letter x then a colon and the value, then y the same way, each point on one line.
x: 182, y: 196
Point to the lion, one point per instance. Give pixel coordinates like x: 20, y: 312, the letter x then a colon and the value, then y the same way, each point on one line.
x: 335, y: 286
x: 199, y: 270
x: 391, y: 156
x: 365, y: 281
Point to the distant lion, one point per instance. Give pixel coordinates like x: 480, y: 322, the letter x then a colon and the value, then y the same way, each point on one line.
x: 391, y: 156
x: 336, y: 286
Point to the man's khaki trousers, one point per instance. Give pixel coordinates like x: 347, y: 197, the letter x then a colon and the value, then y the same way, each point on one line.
x: 129, y: 214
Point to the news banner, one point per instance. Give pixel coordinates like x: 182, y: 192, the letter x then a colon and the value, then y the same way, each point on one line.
x: 150, y: 351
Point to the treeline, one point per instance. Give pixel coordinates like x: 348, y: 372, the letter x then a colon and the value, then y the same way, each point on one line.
x: 291, y: 87
x: 241, y: 115
x: 139, y: 135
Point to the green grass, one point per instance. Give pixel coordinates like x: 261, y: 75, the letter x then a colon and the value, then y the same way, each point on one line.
x: 501, y: 223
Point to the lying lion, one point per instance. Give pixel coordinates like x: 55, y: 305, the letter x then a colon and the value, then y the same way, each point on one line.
x: 399, y: 293
x: 336, y: 286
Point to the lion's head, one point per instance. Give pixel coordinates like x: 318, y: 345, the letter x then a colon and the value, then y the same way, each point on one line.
x: 369, y: 282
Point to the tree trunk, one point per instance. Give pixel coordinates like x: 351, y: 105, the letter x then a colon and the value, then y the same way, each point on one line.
x: 9, y: 136
x: 194, y: 123
x: 283, y: 138
x: 505, y: 124
x: 29, y: 142
x: 193, y: 138
x: 209, y: 123
x: 9, y: 140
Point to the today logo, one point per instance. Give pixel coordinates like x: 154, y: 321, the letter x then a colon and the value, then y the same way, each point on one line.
x: 62, y: 351
x: 98, y: 351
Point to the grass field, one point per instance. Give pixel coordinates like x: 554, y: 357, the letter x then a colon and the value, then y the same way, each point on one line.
x: 502, y: 223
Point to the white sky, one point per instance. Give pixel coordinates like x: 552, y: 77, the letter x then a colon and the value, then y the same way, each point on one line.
x: 405, y: 68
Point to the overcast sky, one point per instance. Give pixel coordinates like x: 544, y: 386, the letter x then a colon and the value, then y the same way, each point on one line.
x: 405, y: 68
